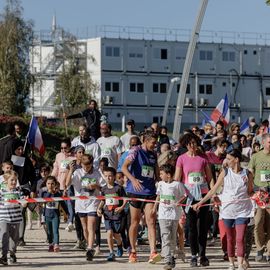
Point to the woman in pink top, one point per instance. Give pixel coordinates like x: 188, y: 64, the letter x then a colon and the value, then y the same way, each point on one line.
x: 193, y: 170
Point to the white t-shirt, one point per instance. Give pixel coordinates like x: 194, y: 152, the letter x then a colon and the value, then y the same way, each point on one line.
x: 80, y: 180
x: 91, y: 148
x: 170, y: 193
x: 125, y: 139
x: 110, y: 148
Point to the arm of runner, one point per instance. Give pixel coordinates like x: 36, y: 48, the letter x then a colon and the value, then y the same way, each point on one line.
x: 178, y: 173
x: 135, y: 182
x: 154, y: 209
x: 250, y: 188
x: 211, y: 192
x: 209, y: 176
x: 100, y: 208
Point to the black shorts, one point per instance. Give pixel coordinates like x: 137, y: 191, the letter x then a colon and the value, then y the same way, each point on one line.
x: 138, y: 204
x: 89, y: 214
x: 114, y: 225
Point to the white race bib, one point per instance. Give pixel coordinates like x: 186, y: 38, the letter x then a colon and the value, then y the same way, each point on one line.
x: 195, y: 178
x: 167, y: 199
x: 52, y: 205
x: 64, y: 164
x: 111, y: 202
x: 265, y: 176
x: 147, y: 171
x: 106, y: 151
x: 86, y: 181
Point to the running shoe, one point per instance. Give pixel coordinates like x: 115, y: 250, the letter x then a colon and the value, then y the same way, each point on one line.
x: 154, y: 258
x: 3, y: 260
x: 231, y: 267
x: 204, y: 261
x: 132, y: 257
x: 193, y: 262
x: 111, y: 257
x: 90, y: 254
x: 69, y: 227
x: 50, y: 248
x: 13, y: 258
x: 119, y: 252
x: 56, y: 248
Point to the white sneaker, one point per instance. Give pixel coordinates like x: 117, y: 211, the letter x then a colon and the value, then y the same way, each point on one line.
x: 70, y: 227
x: 231, y: 267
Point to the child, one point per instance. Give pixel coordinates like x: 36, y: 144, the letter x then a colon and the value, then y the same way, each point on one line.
x: 113, y: 211
x: 87, y: 181
x: 10, y: 216
x: 6, y: 166
x: 52, y: 213
x: 169, y: 193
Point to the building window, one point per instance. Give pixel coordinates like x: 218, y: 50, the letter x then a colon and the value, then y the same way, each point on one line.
x: 112, y: 51
x: 112, y: 86
x: 136, y: 87
x: 135, y: 52
x: 245, y: 52
x: 209, y: 89
x: 187, y: 91
x: 115, y: 87
x: 157, y: 119
x: 254, y: 52
x: 228, y: 56
x: 160, y: 53
x: 206, y: 55
x: 201, y: 88
x: 224, y: 84
x: 267, y: 91
x: 160, y: 88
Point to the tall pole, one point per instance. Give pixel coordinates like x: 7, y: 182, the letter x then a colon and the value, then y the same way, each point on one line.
x: 167, y: 102
x: 186, y: 70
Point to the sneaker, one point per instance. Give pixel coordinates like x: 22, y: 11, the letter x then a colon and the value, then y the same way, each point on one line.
x: 231, y: 267
x: 50, y: 248
x: 212, y: 242
x: 168, y: 266
x: 77, y: 245
x: 259, y: 256
x: 83, y: 245
x: 90, y: 254
x: 132, y: 257
x: 241, y: 267
x: 226, y: 257
x: 111, y: 257
x: 3, y: 260
x: 21, y: 243
x: 173, y: 262
x: 69, y: 227
x: 154, y: 258
x: 204, y: 261
x: 56, y: 248
x: 13, y: 258
x: 246, y: 263
x: 119, y: 252
x: 193, y: 262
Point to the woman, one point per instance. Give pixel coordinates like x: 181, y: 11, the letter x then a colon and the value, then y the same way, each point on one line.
x: 140, y: 168
x: 193, y: 170
x: 236, y: 207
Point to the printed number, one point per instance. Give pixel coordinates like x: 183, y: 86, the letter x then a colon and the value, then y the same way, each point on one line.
x: 197, y: 179
x: 267, y: 177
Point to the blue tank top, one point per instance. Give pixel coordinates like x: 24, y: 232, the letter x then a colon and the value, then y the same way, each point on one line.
x: 143, y: 169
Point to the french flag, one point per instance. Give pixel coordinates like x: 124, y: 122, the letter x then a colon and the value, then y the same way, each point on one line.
x: 244, y: 127
x: 207, y: 119
x: 222, y: 111
x: 35, y: 137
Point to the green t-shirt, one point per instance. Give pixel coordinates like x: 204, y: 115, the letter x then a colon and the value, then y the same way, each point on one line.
x: 260, y: 165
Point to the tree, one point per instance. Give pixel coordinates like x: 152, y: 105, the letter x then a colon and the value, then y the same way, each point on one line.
x: 74, y: 86
x: 267, y: 2
x: 15, y: 78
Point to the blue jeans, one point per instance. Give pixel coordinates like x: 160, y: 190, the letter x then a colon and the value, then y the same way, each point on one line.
x: 52, y: 224
x: 70, y: 205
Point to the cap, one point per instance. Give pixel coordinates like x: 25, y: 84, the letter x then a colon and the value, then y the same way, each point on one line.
x: 78, y: 147
x: 130, y: 122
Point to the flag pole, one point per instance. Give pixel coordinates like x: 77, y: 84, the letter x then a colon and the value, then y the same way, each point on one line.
x: 26, y: 139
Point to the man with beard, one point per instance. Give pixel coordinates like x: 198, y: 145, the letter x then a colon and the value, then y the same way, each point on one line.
x: 89, y: 144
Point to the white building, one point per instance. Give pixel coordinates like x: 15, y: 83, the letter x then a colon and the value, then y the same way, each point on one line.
x: 134, y: 74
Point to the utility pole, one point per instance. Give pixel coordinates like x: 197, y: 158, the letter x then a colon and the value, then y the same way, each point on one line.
x: 186, y: 70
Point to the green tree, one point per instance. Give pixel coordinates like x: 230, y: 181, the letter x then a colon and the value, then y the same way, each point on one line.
x: 15, y: 77
x: 74, y: 86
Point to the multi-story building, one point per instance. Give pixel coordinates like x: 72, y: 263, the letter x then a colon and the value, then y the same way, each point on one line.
x: 135, y: 74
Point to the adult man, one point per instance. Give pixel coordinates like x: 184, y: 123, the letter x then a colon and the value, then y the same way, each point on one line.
x: 90, y: 145
x: 259, y: 165
x: 125, y: 139
x: 92, y: 117
x: 110, y: 145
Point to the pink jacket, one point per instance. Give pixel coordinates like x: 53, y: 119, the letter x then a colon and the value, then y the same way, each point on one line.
x: 60, y: 168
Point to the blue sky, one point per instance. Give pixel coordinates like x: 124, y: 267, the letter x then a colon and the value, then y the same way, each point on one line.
x: 227, y: 15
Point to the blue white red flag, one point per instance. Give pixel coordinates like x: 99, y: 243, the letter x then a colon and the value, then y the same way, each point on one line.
x: 35, y: 137
x: 207, y: 119
x: 244, y: 127
x: 222, y: 111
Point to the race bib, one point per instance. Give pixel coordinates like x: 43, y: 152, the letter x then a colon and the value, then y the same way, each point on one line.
x: 147, y: 171
x: 64, y: 164
x: 52, y: 205
x: 10, y: 196
x: 111, y: 202
x: 265, y: 176
x: 107, y: 151
x: 167, y: 199
x: 86, y: 181
x: 195, y: 178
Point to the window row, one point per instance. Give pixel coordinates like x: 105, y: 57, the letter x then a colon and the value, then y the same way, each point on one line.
x: 162, y: 54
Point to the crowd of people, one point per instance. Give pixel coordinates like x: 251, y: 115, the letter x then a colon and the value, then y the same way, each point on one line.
x: 178, y: 195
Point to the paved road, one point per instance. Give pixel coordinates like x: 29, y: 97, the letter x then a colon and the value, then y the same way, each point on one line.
x: 35, y: 255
